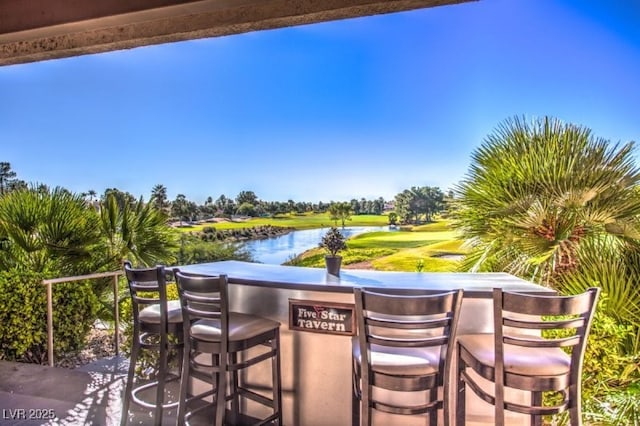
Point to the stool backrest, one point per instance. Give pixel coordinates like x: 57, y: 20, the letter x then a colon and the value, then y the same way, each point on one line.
x: 152, y: 283
x: 204, y: 298
x: 564, y: 321
x: 407, y: 319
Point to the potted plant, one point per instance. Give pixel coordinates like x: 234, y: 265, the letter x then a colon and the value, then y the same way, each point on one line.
x: 333, y: 242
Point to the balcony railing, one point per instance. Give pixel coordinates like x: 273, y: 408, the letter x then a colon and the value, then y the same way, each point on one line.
x: 49, y: 283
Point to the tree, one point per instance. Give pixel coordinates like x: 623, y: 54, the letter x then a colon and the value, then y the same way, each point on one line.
x: 183, y: 209
x: 539, y: 193
x: 8, y: 181
x: 246, y: 209
x: 378, y: 206
x: 355, y: 206
x: 393, y: 218
x: 340, y: 211
x: 122, y: 197
x: 159, y: 198
x: 138, y: 232
x: 225, y: 205
x: 419, y: 201
x: 247, y: 197
x: 47, y: 231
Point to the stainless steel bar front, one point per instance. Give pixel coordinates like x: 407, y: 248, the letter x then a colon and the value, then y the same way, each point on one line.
x: 316, y: 367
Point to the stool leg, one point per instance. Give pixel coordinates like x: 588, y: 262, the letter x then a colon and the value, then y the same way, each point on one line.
x: 277, y: 377
x: 536, y: 401
x: 433, y: 414
x: 184, y: 382
x: 162, y: 376
x: 133, y: 359
x: 235, y: 395
x: 221, y: 384
x: 575, y: 410
x: 355, y: 398
x: 460, y: 393
x: 365, y: 397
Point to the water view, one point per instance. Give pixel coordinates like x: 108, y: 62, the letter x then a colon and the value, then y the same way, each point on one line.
x: 278, y: 250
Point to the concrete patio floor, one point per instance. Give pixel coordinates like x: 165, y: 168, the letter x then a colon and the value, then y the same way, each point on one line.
x: 33, y: 394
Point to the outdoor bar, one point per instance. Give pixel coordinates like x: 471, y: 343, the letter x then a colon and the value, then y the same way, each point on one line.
x: 316, y: 349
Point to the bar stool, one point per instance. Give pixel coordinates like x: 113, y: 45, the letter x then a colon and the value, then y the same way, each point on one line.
x: 404, y: 343
x: 517, y: 357
x: 154, y: 320
x: 214, y: 340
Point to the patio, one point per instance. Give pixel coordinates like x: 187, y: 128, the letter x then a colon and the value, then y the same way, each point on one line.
x: 31, y: 393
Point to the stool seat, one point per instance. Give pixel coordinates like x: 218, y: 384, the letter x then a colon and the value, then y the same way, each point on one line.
x: 151, y: 314
x: 241, y: 327
x: 399, y: 361
x: 517, y: 359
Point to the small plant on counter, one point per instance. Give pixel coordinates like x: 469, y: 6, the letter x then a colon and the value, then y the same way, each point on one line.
x: 333, y: 242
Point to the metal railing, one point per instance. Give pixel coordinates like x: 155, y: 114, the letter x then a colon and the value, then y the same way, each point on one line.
x: 49, y: 283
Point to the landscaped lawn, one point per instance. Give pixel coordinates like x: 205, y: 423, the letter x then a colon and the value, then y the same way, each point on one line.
x: 399, y: 239
x: 433, y: 245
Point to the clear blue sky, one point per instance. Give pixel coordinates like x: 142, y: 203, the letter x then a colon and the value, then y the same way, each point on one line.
x: 356, y: 108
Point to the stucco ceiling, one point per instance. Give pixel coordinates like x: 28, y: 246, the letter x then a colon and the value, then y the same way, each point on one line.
x: 35, y: 30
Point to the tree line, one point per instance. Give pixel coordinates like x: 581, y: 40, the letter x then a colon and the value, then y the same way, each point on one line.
x: 414, y: 205
x: 418, y: 204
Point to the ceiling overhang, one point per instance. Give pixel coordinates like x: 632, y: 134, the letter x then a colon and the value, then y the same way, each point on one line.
x: 35, y: 30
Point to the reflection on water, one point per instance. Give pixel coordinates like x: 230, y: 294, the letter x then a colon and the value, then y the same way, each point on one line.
x: 279, y: 249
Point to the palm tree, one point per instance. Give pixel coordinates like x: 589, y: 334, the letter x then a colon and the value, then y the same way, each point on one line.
x: 136, y: 231
x: 159, y: 197
x: 6, y: 176
x: 47, y: 230
x: 536, y: 192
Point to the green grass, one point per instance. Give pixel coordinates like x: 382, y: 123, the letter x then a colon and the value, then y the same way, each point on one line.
x: 399, y: 239
x: 441, y: 225
x: 303, y: 221
x: 407, y: 260
x: 315, y: 257
x: 398, y: 251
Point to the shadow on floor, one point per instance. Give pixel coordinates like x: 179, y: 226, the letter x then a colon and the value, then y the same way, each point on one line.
x: 33, y: 394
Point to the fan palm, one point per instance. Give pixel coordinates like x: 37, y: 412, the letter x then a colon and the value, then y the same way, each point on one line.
x: 136, y: 231
x: 46, y: 230
x: 536, y: 192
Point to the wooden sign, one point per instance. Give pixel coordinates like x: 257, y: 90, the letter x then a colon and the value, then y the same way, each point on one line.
x: 322, y: 317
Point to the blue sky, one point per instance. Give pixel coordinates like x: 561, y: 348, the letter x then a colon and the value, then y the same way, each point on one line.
x: 355, y: 108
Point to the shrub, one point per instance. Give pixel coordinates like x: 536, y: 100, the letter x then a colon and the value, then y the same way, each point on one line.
x: 606, y: 365
x: 23, y: 315
x: 194, y: 250
x: 209, y: 230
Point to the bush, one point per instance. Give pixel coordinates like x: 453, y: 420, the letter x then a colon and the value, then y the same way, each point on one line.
x: 194, y: 250
x: 606, y: 365
x: 23, y: 315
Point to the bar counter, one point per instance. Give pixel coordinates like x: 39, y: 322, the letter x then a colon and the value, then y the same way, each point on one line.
x: 316, y: 364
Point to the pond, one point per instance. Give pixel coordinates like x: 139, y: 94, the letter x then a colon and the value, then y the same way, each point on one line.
x: 278, y: 250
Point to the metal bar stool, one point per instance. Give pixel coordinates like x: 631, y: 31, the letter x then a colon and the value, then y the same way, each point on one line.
x: 517, y: 357
x: 404, y: 343
x: 214, y: 339
x: 154, y: 320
